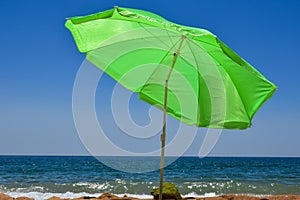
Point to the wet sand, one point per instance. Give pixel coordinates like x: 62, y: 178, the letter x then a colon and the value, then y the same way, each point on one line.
x: 107, y: 196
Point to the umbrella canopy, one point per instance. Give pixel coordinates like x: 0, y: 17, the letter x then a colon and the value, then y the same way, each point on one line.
x: 187, y: 72
x: 120, y: 40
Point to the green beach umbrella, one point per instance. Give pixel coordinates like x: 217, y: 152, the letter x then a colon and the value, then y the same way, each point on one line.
x: 187, y: 72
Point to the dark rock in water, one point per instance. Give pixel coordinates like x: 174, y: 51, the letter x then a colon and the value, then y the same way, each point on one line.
x: 170, y: 191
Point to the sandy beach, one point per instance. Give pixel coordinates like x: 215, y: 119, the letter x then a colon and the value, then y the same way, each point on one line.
x: 108, y: 196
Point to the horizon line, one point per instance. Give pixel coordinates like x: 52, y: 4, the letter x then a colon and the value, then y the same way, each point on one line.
x: 172, y: 156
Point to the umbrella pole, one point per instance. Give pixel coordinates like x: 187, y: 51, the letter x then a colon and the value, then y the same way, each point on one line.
x: 163, y: 142
x: 163, y: 135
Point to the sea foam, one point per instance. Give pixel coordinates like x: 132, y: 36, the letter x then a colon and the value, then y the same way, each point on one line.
x: 43, y: 196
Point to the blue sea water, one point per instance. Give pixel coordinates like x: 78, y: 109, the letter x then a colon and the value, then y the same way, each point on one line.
x: 72, y: 176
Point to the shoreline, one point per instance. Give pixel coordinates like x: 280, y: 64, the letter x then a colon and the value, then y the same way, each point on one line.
x: 72, y: 177
x: 108, y: 196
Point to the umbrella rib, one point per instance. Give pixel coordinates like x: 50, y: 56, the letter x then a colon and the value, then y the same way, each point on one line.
x: 159, y: 38
x: 198, y: 74
x: 160, y: 63
x: 208, y: 52
x: 128, y: 40
x: 168, y: 35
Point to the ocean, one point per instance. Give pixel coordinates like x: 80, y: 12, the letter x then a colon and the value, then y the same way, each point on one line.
x: 41, y: 177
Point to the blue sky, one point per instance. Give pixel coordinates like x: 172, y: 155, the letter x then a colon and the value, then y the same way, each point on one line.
x: 39, y: 62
